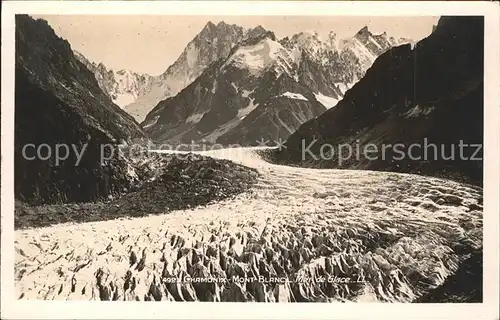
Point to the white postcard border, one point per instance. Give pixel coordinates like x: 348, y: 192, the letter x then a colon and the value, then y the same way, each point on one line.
x: 11, y: 308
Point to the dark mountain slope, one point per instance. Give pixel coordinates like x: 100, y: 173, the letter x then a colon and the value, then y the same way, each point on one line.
x: 58, y: 101
x: 433, y: 93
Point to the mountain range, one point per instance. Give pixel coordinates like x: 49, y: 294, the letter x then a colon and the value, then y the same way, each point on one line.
x: 429, y: 95
x: 230, y: 85
x: 263, y: 88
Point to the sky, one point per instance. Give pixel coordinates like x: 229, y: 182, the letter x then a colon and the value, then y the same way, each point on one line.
x: 150, y: 44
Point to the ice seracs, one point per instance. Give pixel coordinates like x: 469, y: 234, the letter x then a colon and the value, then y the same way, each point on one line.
x: 419, y: 111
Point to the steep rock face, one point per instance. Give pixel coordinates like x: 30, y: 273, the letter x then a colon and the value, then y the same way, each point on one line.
x: 212, y: 43
x: 433, y: 92
x: 251, y: 95
x: 58, y: 102
x: 123, y: 86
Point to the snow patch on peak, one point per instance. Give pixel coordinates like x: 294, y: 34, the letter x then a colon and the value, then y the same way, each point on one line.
x: 152, y: 122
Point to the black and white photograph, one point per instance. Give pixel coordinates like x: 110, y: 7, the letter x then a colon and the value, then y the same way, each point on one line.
x: 263, y: 158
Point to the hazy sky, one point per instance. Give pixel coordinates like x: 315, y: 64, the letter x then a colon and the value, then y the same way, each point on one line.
x: 149, y: 44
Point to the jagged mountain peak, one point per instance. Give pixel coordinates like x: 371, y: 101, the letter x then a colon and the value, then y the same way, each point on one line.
x: 257, y: 50
x: 257, y: 32
x: 364, y: 35
x: 213, y: 30
x: 259, y: 28
x: 59, y: 101
x: 332, y: 35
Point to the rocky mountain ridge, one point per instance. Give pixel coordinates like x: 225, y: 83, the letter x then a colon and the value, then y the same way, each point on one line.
x: 336, y: 65
x: 122, y: 86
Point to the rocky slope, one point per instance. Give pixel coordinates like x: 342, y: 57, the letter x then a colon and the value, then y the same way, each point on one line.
x: 123, y: 86
x: 215, y: 41
x: 212, y: 43
x: 161, y: 184
x: 433, y: 91
x: 58, y: 102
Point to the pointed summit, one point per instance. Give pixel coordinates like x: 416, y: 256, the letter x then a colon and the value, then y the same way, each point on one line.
x: 212, y: 43
x: 260, y: 28
x: 255, y: 32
